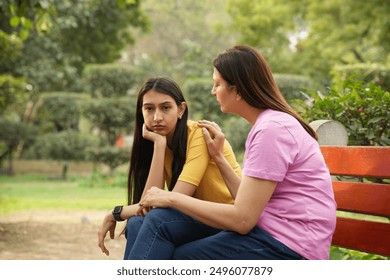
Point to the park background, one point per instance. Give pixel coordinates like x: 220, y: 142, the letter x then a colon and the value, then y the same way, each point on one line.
x: 70, y: 71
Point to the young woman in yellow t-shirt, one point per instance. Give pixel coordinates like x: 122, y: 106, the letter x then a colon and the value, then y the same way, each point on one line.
x: 168, y: 151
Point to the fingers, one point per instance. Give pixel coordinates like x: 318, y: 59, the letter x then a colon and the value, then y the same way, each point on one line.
x: 209, y: 125
x: 112, y: 233
x: 107, y: 226
x: 101, y: 243
x: 206, y: 135
x: 139, y: 211
x: 143, y: 210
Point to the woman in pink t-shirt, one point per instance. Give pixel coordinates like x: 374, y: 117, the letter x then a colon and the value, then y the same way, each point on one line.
x: 284, y: 205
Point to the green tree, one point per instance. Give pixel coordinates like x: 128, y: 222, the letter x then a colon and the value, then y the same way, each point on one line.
x: 111, y: 117
x: 65, y: 146
x: 21, y: 16
x: 96, y: 31
x: 310, y: 37
x: 12, y: 133
x: 12, y: 93
x: 344, y: 32
x: 110, y: 156
x: 82, y: 32
x: 185, y: 36
x: 10, y: 47
x: 110, y: 80
x: 59, y: 111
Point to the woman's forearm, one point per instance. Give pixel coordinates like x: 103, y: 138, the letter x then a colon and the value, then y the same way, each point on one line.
x: 129, y: 211
x: 156, y: 172
x: 252, y: 196
x: 232, y: 180
x: 222, y: 216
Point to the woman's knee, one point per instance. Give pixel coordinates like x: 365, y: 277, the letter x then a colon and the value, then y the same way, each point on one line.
x: 133, y: 225
x: 159, y: 215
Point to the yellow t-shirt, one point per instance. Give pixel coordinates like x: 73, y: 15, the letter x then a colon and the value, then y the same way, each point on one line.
x: 200, y: 170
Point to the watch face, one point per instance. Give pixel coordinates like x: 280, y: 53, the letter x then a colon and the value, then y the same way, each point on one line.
x: 117, y: 209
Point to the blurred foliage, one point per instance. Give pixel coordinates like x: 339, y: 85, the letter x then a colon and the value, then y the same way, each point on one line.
x: 109, y: 155
x: 10, y: 46
x: 111, y: 117
x: 81, y: 32
x: 363, y: 110
x: 13, y: 133
x: 236, y: 129
x: 378, y: 74
x: 202, y: 105
x: 21, y: 16
x: 310, y: 37
x: 184, y: 37
x: 110, y: 80
x: 292, y: 86
x: 13, y: 94
x: 338, y: 253
x: 58, y: 111
x: 64, y: 146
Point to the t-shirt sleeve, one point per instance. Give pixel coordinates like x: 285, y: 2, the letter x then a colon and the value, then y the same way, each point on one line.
x: 270, y: 150
x: 197, y: 159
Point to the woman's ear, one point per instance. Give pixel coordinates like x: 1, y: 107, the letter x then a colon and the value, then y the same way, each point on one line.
x: 182, y: 108
x: 235, y: 91
x: 238, y: 96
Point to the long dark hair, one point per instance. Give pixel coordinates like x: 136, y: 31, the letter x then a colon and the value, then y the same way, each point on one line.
x: 142, y: 150
x: 247, y: 70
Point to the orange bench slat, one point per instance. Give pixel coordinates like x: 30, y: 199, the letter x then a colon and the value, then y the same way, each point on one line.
x: 366, y: 198
x: 358, y: 160
x: 366, y: 236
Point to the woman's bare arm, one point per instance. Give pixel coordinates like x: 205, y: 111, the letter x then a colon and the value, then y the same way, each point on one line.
x: 252, y: 196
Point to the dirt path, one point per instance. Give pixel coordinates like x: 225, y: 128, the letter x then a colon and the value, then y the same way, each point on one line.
x: 55, y: 235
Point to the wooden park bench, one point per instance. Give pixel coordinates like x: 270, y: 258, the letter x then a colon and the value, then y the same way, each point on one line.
x: 367, y: 198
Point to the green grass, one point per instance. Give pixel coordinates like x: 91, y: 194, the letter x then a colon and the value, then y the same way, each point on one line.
x: 38, y: 192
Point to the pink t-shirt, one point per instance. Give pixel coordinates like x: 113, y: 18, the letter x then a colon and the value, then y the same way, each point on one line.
x: 302, y: 211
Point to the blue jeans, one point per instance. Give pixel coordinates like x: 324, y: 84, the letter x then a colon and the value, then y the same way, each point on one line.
x: 166, y: 233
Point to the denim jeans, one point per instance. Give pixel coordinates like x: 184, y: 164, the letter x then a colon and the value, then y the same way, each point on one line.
x: 166, y: 233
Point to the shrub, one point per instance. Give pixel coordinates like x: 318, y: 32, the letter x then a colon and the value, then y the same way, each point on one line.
x: 363, y: 110
x: 64, y: 146
x: 59, y: 111
x: 110, y: 80
x: 12, y: 133
x: 112, y: 116
x: 110, y: 156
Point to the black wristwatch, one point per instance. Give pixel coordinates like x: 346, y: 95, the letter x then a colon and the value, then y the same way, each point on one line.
x: 117, y: 213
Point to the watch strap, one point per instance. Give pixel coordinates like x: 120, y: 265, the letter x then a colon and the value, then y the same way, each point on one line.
x: 117, y: 213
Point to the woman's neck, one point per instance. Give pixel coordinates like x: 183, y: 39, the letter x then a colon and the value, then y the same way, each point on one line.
x: 250, y: 113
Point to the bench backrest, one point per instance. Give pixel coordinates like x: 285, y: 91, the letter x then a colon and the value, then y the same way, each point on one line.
x: 361, y: 197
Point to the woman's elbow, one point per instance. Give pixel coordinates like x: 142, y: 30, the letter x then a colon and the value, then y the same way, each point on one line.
x: 244, y: 226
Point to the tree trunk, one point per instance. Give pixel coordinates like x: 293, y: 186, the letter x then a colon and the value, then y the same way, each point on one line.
x: 65, y: 170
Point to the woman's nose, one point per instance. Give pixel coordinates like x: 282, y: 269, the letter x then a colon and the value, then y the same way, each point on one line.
x: 157, y: 116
